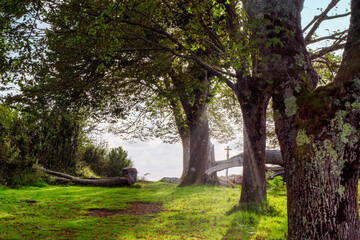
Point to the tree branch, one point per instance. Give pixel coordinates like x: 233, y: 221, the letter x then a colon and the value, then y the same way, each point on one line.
x: 318, y: 20
x: 340, y: 36
x: 327, y: 50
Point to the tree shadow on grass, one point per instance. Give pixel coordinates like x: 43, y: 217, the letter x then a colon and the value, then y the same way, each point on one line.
x: 246, y: 219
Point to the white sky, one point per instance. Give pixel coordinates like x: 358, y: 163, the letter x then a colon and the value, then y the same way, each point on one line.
x: 165, y: 160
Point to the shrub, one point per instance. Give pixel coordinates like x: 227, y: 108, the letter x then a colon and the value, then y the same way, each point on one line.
x: 54, y: 139
x: 117, y: 160
x: 16, y: 153
x: 49, y: 137
x: 277, y: 184
x: 104, y: 163
x: 95, y: 157
x: 60, y: 137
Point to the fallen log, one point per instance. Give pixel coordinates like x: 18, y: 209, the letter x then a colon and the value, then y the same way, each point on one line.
x: 274, y: 157
x: 128, y: 177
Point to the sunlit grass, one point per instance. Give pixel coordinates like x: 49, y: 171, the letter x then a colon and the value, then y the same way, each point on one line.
x: 60, y: 212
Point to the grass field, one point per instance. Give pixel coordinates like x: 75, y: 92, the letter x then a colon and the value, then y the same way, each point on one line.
x: 147, y: 211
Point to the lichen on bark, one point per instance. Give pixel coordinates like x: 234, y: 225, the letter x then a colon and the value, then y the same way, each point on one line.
x: 302, y: 138
x: 346, y: 131
x: 290, y: 106
x: 341, y: 190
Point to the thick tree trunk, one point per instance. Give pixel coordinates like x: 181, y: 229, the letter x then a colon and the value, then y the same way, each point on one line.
x: 253, y: 93
x: 322, y: 170
x: 185, y: 141
x: 128, y: 178
x: 254, y: 181
x: 318, y: 130
x: 197, y: 127
x: 322, y: 185
x: 200, y: 155
x: 186, y: 155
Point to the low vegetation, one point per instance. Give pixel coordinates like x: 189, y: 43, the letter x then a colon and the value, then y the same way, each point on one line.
x: 55, y: 140
x: 144, y: 211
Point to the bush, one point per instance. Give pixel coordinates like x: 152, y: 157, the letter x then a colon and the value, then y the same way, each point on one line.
x: 49, y: 137
x: 16, y: 152
x: 95, y: 158
x: 53, y: 139
x: 60, y: 137
x: 104, y: 163
x: 117, y: 161
x: 277, y: 184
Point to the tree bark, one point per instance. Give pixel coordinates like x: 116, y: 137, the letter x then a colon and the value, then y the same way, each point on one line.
x: 322, y: 171
x: 128, y: 178
x: 200, y: 155
x: 318, y: 130
x: 274, y: 157
x: 254, y: 180
x: 197, y: 126
x: 253, y: 94
x: 185, y: 141
x: 211, y: 155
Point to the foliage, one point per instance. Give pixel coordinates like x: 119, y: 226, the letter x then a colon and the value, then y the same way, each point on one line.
x: 55, y: 140
x: 118, y: 159
x: 225, y: 118
x: 95, y: 158
x: 114, y: 56
x: 189, y: 212
x: 106, y: 163
x: 277, y: 184
x: 16, y: 150
x: 61, y: 136
x: 47, y: 137
x: 20, y: 41
x: 135, y: 55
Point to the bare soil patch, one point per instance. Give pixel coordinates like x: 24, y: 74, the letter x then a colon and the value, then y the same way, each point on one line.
x: 137, y: 208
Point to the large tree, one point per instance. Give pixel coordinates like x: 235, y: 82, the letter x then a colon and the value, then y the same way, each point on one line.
x: 214, y: 35
x: 186, y: 90
x: 249, y: 57
x: 318, y: 129
x: 253, y: 94
x: 103, y: 52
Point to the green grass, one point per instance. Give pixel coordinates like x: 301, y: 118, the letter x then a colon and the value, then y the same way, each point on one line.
x: 59, y: 212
